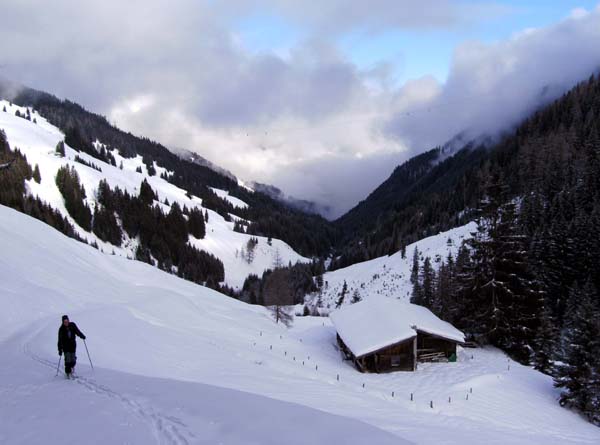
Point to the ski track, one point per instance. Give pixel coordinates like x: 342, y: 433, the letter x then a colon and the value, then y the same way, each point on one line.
x: 168, y: 430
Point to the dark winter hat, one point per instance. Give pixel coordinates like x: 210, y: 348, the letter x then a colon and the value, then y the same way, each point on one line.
x: 65, y: 317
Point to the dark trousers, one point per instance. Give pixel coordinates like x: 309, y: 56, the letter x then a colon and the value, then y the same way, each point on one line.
x: 70, y: 360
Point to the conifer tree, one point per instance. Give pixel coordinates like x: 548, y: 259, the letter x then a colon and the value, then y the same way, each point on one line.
x: 516, y: 289
x: 342, y: 295
x: 427, y: 284
x: 441, y: 295
x: 60, y: 149
x: 67, y: 181
x: 147, y: 195
x: 196, y: 223
x: 580, y: 352
x: 414, y: 274
x: 546, y: 343
x: 37, y: 177
x: 176, y: 224
x: 105, y: 226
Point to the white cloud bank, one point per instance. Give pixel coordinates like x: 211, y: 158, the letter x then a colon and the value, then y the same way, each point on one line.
x: 310, y: 122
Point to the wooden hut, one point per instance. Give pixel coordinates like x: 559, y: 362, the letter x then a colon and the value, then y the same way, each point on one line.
x: 384, y: 334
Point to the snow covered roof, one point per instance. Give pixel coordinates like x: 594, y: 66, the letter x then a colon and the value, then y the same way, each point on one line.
x: 377, y: 322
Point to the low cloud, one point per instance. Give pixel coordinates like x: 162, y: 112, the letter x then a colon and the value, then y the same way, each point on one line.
x: 493, y: 87
x: 310, y: 121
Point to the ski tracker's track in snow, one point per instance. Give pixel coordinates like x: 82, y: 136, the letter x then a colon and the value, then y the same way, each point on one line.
x: 168, y: 430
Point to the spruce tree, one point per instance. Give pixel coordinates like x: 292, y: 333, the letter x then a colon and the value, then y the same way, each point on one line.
x: 67, y: 181
x: 60, y: 149
x: 414, y: 274
x: 196, y: 223
x: 441, y: 296
x: 342, y: 295
x: 105, y: 226
x: 176, y: 225
x: 37, y: 177
x: 517, y: 292
x: 147, y: 195
x: 546, y: 343
x: 580, y: 352
x: 427, y: 284
x: 417, y: 290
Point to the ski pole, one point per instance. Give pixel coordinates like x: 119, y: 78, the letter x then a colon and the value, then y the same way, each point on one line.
x: 58, y: 366
x: 88, y: 354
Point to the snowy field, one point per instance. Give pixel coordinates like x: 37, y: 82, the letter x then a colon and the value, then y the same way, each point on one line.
x: 38, y: 142
x: 178, y: 363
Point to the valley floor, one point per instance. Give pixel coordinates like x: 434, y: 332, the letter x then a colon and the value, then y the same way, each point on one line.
x: 178, y: 363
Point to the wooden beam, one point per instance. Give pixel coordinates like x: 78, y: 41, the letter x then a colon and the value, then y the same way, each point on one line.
x: 389, y: 346
x: 415, y: 354
x: 441, y: 337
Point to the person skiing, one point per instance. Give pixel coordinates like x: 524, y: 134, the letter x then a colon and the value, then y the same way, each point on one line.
x: 67, y: 344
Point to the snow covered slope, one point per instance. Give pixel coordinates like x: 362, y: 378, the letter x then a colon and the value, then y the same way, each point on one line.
x: 179, y: 363
x: 132, y: 320
x: 38, y: 142
x: 389, y: 276
x: 224, y: 194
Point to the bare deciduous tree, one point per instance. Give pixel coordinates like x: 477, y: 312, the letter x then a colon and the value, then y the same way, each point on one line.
x: 278, y: 295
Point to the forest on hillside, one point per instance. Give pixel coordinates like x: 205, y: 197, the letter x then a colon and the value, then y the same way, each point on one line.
x: 529, y: 280
x: 309, y: 234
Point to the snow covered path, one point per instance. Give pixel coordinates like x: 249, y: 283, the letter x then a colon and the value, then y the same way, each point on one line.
x: 105, y: 406
x: 158, y: 342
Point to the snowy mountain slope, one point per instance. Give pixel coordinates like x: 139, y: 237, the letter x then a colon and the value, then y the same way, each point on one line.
x: 38, y: 141
x: 389, y: 276
x: 224, y: 194
x: 156, y: 340
x: 48, y: 273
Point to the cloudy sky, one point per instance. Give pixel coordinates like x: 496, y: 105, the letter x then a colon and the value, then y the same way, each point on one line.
x: 322, y: 99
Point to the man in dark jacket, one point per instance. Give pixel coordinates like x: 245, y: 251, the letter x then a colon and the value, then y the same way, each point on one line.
x: 67, y: 344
